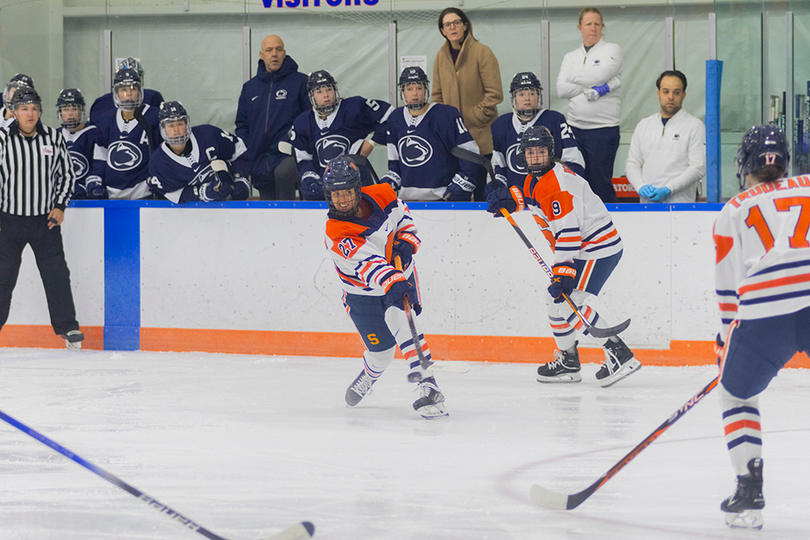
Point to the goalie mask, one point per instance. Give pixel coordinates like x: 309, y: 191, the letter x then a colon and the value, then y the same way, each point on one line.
x: 127, y: 81
x: 522, y: 83
x: 169, y: 113
x: 763, y: 151
x: 322, y: 79
x: 70, y: 108
x: 416, y: 76
x: 342, y: 187
x: 19, y: 80
x: 537, y: 150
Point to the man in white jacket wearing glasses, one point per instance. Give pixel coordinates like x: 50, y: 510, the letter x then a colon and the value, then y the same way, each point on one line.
x: 667, y: 155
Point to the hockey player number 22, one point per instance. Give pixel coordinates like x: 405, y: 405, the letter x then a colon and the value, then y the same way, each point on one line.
x: 756, y: 220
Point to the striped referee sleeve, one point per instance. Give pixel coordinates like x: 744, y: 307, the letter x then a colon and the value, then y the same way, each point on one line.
x: 36, y: 174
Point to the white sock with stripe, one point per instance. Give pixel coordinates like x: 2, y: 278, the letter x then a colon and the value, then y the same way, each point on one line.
x: 742, y: 428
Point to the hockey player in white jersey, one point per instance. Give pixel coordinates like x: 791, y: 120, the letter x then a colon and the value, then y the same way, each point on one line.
x: 125, y: 140
x: 528, y: 111
x: 586, y: 246
x: 368, y: 227
x: 763, y: 290
x: 19, y: 80
x: 80, y: 137
x: 421, y: 136
x: 335, y: 126
x: 203, y: 163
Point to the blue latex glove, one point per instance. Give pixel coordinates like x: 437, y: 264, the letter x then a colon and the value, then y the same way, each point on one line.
x: 646, y: 191
x: 660, y: 194
x: 602, y: 90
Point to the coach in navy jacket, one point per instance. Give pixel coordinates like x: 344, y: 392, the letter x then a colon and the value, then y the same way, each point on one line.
x: 269, y: 103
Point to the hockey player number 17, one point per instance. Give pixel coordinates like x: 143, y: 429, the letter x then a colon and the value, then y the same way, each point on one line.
x: 756, y: 220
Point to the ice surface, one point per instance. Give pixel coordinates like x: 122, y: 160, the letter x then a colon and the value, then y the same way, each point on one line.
x: 248, y: 445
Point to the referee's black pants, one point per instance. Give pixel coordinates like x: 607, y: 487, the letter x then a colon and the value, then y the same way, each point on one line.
x: 15, y: 233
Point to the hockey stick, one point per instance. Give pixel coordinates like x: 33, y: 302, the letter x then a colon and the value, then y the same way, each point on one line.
x: 561, y: 501
x: 478, y: 159
x: 417, y: 344
x: 299, y: 531
x: 594, y: 331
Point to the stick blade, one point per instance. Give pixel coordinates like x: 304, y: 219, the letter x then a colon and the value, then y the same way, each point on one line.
x: 609, y: 332
x: 299, y: 531
x: 548, y: 499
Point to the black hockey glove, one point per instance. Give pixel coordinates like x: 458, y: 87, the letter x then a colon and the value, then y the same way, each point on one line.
x: 396, y: 293
x: 500, y: 197
x: 405, y: 250
x: 565, y: 274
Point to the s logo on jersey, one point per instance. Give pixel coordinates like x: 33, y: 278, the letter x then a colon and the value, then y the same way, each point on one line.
x: 80, y: 164
x: 330, y: 147
x: 513, y: 160
x: 414, y: 151
x: 124, y: 156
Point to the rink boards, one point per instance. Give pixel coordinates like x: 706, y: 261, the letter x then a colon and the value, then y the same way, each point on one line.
x: 255, y: 278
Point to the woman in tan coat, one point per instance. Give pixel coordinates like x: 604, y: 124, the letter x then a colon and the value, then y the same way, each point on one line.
x: 466, y: 75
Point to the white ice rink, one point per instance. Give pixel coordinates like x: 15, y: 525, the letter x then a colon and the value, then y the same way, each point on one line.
x: 248, y: 445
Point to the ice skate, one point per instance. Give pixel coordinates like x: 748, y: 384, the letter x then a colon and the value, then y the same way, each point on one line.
x: 743, y: 510
x: 564, y: 369
x: 359, y: 388
x: 619, y: 363
x: 431, y: 404
x: 73, y: 340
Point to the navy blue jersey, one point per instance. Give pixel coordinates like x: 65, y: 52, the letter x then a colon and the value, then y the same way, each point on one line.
x: 121, y: 156
x: 419, y: 158
x: 176, y: 176
x: 105, y: 103
x: 317, y: 141
x: 506, y: 133
x: 81, y: 145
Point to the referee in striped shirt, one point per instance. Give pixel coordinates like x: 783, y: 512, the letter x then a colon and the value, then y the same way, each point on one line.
x: 36, y: 180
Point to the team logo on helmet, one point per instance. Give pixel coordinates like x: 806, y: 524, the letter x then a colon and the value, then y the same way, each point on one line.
x: 514, y: 160
x: 330, y: 147
x: 414, y: 151
x: 80, y: 164
x: 124, y: 156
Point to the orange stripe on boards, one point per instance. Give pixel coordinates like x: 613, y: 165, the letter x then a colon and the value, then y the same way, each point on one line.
x: 42, y: 336
x: 529, y: 350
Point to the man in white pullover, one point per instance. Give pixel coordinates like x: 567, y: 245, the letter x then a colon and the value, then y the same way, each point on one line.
x: 667, y: 155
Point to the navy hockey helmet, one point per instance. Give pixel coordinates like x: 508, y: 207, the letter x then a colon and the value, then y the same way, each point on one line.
x: 414, y: 75
x: 171, y: 111
x: 132, y: 63
x: 70, y: 100
x: 762, y: 147
x: 522, y: 81
x: 127, y: 78
x: 537, y: 137
x: 25, y: 95
x: 342, y: 174
x: 19, y: 80
x: 319, y: 79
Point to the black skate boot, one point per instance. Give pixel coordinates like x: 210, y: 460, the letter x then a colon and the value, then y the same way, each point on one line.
x: 431, y: 404
x: 743, y: 510
x: 564, y: 369
x: 73, y: 340
x: 619, y: 363
x: 359, y: 388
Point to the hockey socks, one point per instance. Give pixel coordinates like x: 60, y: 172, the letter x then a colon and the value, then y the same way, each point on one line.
x: 742, y: 429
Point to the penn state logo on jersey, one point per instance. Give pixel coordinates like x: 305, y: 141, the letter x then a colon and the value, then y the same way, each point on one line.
x: 281, y: 94
x: 80, y: 164
x: 513, y: 160
x: 124, y: 156
x: 330, y: 147
x: 414, y: 151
